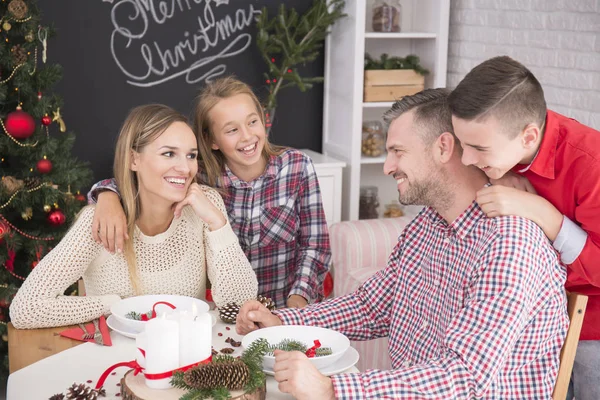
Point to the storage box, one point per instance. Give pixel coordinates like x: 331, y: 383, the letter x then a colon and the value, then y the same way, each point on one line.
x: 391, y: 84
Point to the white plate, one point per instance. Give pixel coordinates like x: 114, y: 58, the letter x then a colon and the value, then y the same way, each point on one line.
x: 336, y: 341
x: 348, y: 360
x: 143, y: 304
x: 116, y: 325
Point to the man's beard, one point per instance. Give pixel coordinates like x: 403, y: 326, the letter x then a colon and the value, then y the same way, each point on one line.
x: 431, y: 191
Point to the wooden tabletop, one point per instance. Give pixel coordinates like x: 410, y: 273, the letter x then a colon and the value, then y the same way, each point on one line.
x: 26, y: 346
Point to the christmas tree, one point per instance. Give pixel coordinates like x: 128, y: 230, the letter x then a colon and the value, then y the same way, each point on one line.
x: 39, y: 191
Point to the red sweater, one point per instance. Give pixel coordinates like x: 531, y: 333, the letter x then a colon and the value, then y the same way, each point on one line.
x: 566, y: 172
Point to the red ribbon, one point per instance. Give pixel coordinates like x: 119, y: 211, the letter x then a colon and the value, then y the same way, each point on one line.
x: 312, y: 352
x: 145, y: 317
x: 137, y: 369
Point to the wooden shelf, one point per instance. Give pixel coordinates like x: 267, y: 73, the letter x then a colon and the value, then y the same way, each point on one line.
x: 400, y: 35
x: 378, y: 104
x: 372, y: 160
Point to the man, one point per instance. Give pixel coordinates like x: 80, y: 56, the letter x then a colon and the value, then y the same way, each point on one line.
x: 544, y: 167
x: 472, y: 306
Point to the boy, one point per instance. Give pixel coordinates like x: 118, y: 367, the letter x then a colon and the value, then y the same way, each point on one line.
x: 544, y: 167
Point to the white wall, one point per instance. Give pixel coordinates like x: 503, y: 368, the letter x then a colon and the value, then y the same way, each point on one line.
x: 558, y: 40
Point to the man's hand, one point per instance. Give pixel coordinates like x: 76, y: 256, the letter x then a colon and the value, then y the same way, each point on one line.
x: 252, y: 316
x: 203, y: 207
x: 297, y: 376
x: 109, y: 226
x: 513, y: 180
x: 296, y: 301
x: 500, y: 200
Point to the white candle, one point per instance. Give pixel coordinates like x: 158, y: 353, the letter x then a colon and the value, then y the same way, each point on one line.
x: 140, y: 349
x: 162, y: 350
x: 195, y: 337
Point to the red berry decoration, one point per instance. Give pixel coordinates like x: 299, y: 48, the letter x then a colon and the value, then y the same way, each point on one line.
x: 80, y: 197
x: 19, y: 124
x: 56, y: 218
x: 46, y: 120
x: 44, y: 166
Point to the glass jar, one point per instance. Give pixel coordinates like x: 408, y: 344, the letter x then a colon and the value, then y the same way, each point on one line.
x: 373, y: 139
x: 386, y: 15
x: 393, y: 210
x: 368, y: 203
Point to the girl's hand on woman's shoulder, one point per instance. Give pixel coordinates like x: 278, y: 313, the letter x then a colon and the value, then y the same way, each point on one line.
x: 202, y: 206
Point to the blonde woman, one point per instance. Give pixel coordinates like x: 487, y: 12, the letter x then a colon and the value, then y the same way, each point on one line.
x: 155, y: 167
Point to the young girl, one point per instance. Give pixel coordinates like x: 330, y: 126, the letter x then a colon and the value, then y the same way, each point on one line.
x: 155, y: 166
x: 271, y: 194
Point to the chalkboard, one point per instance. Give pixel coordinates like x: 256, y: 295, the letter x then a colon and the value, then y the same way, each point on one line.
x: 118, y: 54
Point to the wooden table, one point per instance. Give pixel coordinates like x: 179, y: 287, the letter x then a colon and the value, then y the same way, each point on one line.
x: 26, y: 346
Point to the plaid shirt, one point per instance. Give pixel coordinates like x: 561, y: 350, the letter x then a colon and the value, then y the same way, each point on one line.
x: 280, y: 223
x: 472, y: 309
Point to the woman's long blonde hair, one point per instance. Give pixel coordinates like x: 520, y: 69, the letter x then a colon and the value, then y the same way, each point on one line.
x: 212, y: 161
x: 143, y: 125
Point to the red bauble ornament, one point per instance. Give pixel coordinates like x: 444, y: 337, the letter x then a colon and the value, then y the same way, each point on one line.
x: 34, y: 264
x: 19, y: 124
x: 44, y: 166
x: 39, y: 95
x: 56, y: 218
x: 46, y: 120
x: 80, y: 197
x: 4, y: 230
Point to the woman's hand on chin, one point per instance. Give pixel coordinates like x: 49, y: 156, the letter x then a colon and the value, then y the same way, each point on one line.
x: 203, y: 207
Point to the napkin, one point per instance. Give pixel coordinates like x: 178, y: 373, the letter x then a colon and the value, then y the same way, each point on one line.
x: 76, y: 333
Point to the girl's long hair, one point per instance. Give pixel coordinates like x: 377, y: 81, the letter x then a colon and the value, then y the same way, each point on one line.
x: 143, y: 125
x: 212, y: 161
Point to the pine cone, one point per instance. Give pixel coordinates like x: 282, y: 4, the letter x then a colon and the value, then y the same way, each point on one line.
x: 19, y: 54
x: 81, y: 392
x: 233, y: 375
x: 229, y: 313
x: 32, y: 182
x: 58, y: 396
x: 266, y: 301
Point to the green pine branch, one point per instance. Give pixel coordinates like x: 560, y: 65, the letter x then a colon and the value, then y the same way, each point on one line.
x: 386, y: 62
x: 290, y: 40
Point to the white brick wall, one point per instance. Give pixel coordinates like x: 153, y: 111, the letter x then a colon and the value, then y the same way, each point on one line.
x: 559, y: 40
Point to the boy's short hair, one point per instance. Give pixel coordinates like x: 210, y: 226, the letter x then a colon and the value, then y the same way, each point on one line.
x: 503, y: 88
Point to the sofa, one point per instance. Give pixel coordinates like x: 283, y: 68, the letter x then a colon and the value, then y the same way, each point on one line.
x: 359, y: 249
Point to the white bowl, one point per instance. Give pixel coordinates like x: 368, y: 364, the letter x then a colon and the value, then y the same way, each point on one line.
x: 143, y: 304
x: 305, y: 334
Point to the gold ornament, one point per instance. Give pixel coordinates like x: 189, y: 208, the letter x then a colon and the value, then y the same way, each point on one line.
x: 12, y: 184
x: 18, y: 8
x: 30, y: 36
x: 47, y: 208
x: 6, y: 26
x: 27, y: 214
x: 58, y: 118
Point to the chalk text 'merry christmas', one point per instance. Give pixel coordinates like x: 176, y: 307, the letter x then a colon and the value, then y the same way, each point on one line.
x: 160, y: 65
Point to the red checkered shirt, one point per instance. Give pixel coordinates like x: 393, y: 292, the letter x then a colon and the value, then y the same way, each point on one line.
x: 280, y: 223
x: 472, y: 309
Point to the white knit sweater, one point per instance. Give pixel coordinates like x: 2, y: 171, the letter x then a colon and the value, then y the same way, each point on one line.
x: 173, y: 262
